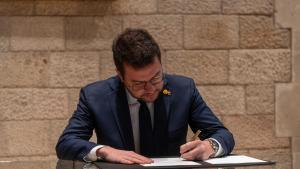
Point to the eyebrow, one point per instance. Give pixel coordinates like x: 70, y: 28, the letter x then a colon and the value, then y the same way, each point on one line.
x: 148, y: 80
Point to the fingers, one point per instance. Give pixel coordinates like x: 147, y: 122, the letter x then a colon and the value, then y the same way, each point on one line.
x: 121, y: 156
x: 196, y: 150
x: 188, y: 146
x: 191, y: 155
x: 124, y: 161
x: 138, y: 159
x: 141, y: 158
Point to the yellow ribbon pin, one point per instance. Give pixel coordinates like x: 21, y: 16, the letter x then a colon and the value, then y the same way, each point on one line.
x: 166, y: 92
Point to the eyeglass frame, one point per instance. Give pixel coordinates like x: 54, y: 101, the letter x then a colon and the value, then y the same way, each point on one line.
x: 144, y: 83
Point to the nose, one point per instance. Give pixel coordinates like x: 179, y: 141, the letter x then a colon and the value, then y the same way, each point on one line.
x: 149, y: 86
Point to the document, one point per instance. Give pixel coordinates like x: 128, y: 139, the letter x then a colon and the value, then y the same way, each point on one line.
x: 234, y: 159
x: 161, y: 162
x: 231, y: 160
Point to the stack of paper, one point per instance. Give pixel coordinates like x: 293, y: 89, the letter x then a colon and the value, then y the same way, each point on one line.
x: 232, y: 159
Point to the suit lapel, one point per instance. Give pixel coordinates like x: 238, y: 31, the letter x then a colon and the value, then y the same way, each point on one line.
x: 119, y: 105
x: 167, y: 98
x: 161, y: 121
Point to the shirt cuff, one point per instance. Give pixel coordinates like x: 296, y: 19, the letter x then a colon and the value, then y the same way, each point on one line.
x: 92, y: 156
x: 220, y: 151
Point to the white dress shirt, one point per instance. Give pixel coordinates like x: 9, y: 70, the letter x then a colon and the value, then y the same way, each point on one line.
x: 134, y: 107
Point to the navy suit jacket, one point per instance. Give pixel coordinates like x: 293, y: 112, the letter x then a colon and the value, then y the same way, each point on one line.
x: 103, y: 106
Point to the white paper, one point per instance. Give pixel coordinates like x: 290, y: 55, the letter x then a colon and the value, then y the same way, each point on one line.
x: 160, y: 162
x: 234, y: 159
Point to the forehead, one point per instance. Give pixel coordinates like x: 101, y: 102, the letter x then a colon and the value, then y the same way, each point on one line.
x: 144, y: 73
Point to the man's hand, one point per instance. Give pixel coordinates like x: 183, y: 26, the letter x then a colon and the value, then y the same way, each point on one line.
x: 121, y: 156
x: 196, y: 150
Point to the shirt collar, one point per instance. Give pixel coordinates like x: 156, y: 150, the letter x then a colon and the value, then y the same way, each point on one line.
x: 130, y: 98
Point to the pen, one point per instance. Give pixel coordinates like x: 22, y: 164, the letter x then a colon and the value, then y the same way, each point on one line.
x: 195, y: 136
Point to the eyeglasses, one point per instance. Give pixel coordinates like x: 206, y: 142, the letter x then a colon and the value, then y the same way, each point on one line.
x: 136, y: 86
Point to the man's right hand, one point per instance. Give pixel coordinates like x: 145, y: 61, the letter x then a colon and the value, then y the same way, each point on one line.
x: 121, y: 156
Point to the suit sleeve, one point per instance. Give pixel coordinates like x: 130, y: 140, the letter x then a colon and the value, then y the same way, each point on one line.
x: 201, y: 117
x: 74, y: 143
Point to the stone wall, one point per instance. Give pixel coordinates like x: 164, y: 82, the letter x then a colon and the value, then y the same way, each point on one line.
x: 288, y: 94
x: 241, y: 53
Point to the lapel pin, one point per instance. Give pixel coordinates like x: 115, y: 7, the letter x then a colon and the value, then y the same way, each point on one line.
x: 166, y: 92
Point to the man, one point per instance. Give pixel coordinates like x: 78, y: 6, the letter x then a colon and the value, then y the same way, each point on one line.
x: 142, y: 112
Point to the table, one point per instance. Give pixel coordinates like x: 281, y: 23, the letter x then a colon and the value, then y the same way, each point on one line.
x: 105, y: 165
x: 66, y: 164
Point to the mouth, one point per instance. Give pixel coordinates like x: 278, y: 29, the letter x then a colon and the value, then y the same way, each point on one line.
x: 149, y: 94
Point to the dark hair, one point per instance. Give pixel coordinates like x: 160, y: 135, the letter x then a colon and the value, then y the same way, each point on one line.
x: 135, y: 47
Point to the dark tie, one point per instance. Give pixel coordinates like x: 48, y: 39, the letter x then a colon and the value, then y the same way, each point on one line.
x: 146, y: 132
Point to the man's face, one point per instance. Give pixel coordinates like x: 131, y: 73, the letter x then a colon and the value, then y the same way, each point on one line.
x: 144, y: 83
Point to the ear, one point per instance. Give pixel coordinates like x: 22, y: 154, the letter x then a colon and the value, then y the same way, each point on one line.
x: 119, y: 74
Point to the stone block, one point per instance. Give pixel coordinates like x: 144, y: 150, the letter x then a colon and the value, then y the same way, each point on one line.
x: 286, y: 13
x: 224, y: 100
x: 73, y: 69
x: 296, y: 160
x: 134, y: 6
x: 24, y: 69
x: 56, y: 129
x: 37, y: 33
x: 28, y: 104
x: 287, y: 110
x: 189, y: 6
x: 164, y: 59
x: 16, y: 7
x: 281, y: 156
x: 296, y: 144
x: 259, y: 66
x: 26, y: 165
x: 24, y: 138
x: 4, y: 33
x: 91, y: 33
x: 165, y: 29
x: 71, y: 8
x: 262, y: 7
x: 296, y: 57
x: 211, y: 32
x: 205, y: 67
x: 255, y: 131
x: 240, y: 152
x: 107, y: 66
x: 287, y: 16
x: 73, y: 100
x: 260, y: 99
x: 260, y: 32
x: 34, y: 158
